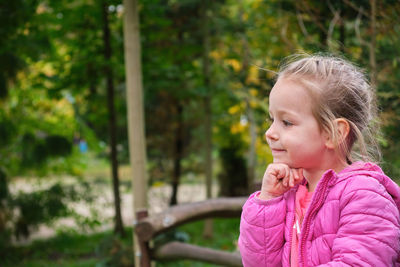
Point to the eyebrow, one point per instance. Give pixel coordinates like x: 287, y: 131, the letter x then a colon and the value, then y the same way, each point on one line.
x: 283, y: 112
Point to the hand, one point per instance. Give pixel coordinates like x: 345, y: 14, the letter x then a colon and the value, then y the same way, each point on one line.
x: 278, y: 179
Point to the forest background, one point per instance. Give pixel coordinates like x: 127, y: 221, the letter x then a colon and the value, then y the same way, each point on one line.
x: 208, y: 67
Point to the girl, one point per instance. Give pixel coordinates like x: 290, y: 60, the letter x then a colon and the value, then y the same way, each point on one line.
x: 317, y: 206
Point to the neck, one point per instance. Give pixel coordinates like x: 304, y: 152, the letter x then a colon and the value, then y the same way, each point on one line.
x: 313, y: 175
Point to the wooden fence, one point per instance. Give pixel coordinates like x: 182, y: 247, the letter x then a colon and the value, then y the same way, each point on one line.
x: 149, y: 227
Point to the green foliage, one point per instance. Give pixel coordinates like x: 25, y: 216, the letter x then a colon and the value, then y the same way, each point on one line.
x: 5, y: 233
x: 242, y: 36
x: 13, y: 17
x: 115, y: 252
x: 3, y: 187
x: 52, y: 52
x: 7, y: 131
x: 37, y: 150
x: 25, y: 211
x: 41, y: 206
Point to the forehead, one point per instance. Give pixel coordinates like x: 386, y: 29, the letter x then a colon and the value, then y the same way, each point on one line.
x: 290, y: 95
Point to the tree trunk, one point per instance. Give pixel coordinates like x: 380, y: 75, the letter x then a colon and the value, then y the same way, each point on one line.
x: 134, y: 90
x: 372, y: 58
x: 208, y: 225
x: 252, y: 158
x: 91, y: 73
x: 118, y: 228
x: 342, y: 29
x: 177, y: 156
x: 178, y: 146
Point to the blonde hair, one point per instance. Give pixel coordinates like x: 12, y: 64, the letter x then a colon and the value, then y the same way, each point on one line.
x: 339, y: 89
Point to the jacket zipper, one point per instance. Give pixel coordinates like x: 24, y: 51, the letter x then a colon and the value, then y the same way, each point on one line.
x: 306, y: 222
x: 291, y: 235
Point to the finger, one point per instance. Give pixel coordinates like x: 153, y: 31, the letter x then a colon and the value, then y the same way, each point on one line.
x: 299, y: 175
x: 295, y: 175
x: 278, y: 172
x: 293, y: 178
x: 300, y: 172
x: 288, y: 176
x: 282, y: 172
x: 285, y: 181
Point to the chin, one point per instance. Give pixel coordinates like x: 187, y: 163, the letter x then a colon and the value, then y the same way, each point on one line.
x: 278, y: 160
x: 287, y: 162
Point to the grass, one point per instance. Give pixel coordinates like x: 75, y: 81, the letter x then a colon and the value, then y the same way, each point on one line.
x: 68, y: 249
x: 103, y: 249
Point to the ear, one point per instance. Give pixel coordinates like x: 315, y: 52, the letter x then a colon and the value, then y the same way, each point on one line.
x: 343, y: 129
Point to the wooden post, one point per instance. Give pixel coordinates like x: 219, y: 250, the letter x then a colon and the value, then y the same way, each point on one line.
x: 145, y: 260
x: 134, y: 92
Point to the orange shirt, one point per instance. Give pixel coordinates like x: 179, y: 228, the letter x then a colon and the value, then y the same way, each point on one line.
x: 303, y: 199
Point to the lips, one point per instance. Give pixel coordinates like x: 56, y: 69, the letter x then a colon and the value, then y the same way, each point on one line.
x: 277, y: 150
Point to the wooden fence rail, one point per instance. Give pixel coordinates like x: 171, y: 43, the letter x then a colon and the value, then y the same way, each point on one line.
x: 149, y: 227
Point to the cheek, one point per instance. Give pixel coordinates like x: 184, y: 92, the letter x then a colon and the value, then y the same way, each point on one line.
x: 300, y: 144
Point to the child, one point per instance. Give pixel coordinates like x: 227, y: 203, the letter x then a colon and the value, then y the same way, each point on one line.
x: 317, y: 205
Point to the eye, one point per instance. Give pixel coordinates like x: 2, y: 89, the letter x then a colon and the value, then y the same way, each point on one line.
x: 287, y: 123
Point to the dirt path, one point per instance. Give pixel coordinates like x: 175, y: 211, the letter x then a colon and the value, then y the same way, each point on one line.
x: 158, y: 199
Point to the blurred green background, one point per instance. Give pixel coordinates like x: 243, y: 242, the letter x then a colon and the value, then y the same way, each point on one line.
x: 201, y: 61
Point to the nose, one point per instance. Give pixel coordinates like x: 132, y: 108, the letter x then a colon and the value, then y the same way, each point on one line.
x: 271, y: 134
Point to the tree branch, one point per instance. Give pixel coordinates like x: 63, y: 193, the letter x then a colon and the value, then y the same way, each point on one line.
x: 336, y: 18
x: 358, y: 9
x: 301, y: 23
x: 284, y: 36
x: 357, y: 29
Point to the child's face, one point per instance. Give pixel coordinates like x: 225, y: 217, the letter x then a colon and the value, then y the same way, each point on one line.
x: 294, y: 135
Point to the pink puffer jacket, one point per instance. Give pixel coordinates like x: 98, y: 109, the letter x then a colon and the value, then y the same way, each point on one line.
x: 353, y: 220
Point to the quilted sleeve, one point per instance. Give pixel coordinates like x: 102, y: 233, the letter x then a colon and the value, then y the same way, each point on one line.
x: 262, y: 226
x: 369, y: 228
